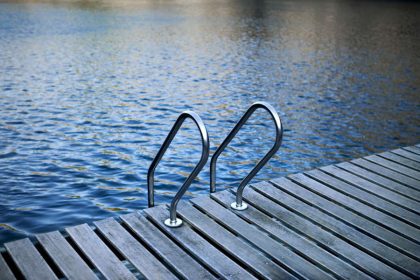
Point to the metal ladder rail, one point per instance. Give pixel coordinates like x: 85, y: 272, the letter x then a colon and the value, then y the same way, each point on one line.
x: 173, y: 221
x: 239, y: 204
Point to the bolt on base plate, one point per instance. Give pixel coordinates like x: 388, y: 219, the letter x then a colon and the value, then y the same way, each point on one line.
x: 173, y: 224
x: 241, y: 207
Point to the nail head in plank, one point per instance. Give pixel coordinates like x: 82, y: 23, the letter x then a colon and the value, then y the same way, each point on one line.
x: 251, y: 257
x: 260, y: 239
x: 199, y: 247
x: 29, y: 260
x: 132, y: 250
x: 173, y: 255
x: 299, y: 243
x: 5, y: 272
x: 64, y: 256
x: 98, y: 253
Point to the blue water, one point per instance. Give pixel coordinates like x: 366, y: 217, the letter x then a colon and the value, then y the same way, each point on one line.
x: 89, y: 90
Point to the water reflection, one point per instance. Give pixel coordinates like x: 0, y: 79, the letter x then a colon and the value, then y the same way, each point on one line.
x: 89, y: 90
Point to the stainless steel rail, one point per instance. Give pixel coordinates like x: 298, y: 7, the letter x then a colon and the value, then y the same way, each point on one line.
x: 239, y: 204
x: 173, y: 221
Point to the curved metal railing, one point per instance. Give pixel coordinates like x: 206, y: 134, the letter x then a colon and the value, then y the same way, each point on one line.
x: 173, y: 221
x: 239, y: 204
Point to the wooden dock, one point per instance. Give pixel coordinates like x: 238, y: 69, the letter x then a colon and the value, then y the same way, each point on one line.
x: 353, y: 220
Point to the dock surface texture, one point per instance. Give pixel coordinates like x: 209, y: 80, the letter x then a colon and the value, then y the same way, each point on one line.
x: 352, y: 220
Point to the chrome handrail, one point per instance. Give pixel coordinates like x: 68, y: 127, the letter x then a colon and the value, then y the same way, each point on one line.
x: 173, y: 221
x: 239, y: 204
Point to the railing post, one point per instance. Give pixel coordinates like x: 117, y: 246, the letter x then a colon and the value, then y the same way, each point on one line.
x: 239, y: 204
x: 173, y: 221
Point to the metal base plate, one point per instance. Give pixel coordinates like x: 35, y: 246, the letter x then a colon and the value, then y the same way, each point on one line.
x: 176, y: 223
x: 239, y: 207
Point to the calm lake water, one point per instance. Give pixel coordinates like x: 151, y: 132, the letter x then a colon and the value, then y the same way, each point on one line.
x: 89, y: 90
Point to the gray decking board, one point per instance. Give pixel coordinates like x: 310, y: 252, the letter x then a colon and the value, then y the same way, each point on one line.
x: 199, y: 247
x: 352, y: 220
x: 98, y: 253
x: 358, y: 207
x: 178, y: 259
x: 5, y: 272
x: 29, y: 260
x: 391, y: 174
x: 413, y: 149
x: 133, y: 251
x: 394, y: 166
x: 401, y: 160
x: 264, y: 267
x: 375, y: 178
x: 374, y: 189
x: 346, y: 216
x: 407, y: 154
x: 64, y: 256
x: 299, y: 243
x: 293, y: 261
x: 367, y: 198
x: 288, y: 208
x: 325, y: 239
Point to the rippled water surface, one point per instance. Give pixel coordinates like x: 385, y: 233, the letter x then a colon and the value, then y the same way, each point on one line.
x: 89, y: 89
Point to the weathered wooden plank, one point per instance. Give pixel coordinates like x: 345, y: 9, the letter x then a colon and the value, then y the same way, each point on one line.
x: 374, y: 189
x: 29, y: 260
x: 281, y: 253
x: 348, y: 216
x: 199, y: 247
x: 326, y: 239
x: 362, y: 209
x: 401, y: 160
x: 383, y: 171
x: 406, y: 154
x: 295, y: 240
x: 249, y: 256
x: 401, y: 189
x: 98, y: 253
x: 302, y: 206
x: 133, y: 251
x: 64, y: 256
x: 394, y: 166
x: 167, y: 250
x: 5, y: 272
x: 352, y: 220
x: 413, y: 149
x: 367, y: 198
